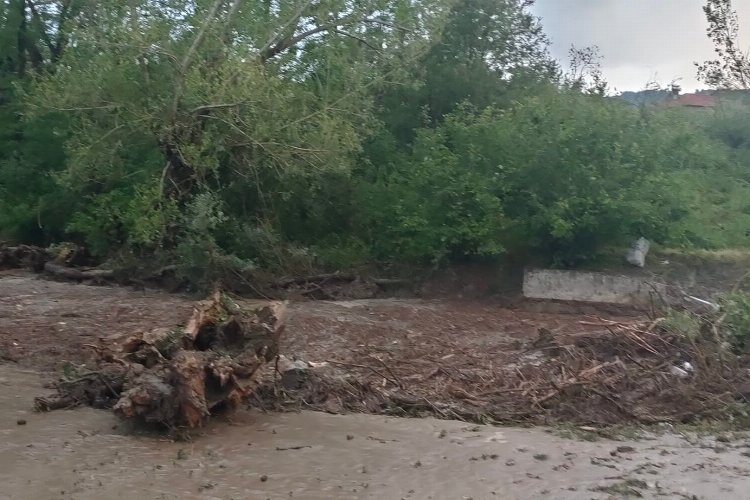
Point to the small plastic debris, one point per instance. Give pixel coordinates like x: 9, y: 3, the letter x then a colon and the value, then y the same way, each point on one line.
x: 678, y: 372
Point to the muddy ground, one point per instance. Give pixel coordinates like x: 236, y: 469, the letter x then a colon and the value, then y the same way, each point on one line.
x: 45, y: 323
x: 85, y: 453
x: 451, y: 358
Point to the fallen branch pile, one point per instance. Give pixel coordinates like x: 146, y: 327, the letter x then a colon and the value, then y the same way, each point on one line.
x: 65, y: 261
x: 628, y: 372
x: 179, y: 377
x: 23, y: 256
x: 332, y: 286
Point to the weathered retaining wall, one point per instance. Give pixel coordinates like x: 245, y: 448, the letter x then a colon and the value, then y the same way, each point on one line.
x: 588, y: 287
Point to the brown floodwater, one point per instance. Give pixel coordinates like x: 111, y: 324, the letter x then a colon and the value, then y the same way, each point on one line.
x: 87, y: 454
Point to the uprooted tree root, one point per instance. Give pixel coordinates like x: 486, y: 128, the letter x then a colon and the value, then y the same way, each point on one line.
x: 623, y: 374
x: 178, y: 377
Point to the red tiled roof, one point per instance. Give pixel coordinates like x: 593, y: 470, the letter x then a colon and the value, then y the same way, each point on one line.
x: 694, y: 101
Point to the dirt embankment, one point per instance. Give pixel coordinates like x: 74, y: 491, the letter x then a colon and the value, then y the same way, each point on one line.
x: 44, y: 324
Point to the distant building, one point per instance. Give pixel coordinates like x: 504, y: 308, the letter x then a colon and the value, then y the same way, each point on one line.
x: 697, y: 100
x: 646, y: 97
x: 670, y: 98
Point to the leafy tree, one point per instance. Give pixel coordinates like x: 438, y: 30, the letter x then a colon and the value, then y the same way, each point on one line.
x: 585, y: 73
x: 489, y: 53
x: 731, y: 69
x: 33, y: 37
x: 176, y: 103
x: 559, y: 176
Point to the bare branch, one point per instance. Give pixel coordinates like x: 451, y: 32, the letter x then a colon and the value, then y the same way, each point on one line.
x: 291, y: 23
x: 281, y: 43
x: 207, y: 107
x: 187, y: 59
x: 291, y: 42
x: 386, y: 23
x: 361, y: 40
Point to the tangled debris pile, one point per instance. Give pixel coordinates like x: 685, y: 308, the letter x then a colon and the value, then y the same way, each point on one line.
x: 23, y: 256
x: 622, y: 373
x: 66, y: 261
x: 334, y: 286
x: 178, y: 377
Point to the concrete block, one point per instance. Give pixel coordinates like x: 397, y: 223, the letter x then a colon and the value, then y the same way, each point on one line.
x: 586, y: 286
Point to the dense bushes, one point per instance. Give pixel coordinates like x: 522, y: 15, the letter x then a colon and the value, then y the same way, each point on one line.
x: 558, y: 175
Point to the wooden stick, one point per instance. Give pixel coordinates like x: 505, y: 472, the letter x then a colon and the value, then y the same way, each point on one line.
x: 355, y: 365
x: 388, y: 368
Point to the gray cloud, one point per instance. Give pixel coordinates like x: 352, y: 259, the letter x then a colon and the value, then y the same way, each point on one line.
x: 640, y: 40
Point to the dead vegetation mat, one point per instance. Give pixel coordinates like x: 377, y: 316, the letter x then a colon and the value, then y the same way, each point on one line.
x: 631, y: 372
x: 610, y: 372
x: 624, y: 372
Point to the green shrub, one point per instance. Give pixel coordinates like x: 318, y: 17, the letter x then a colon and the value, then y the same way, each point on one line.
x: 560, y: 175
x: 338, y: 253
x: 736, y: 324
x: 682, y: 323
x: 431, y: 207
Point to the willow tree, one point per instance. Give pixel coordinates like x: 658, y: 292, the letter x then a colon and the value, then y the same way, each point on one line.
x: 179, y: 105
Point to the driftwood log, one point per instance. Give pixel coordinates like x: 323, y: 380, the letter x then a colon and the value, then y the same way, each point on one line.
x: 179, y: 377
x: 335, y: 286
x: 77, y: 273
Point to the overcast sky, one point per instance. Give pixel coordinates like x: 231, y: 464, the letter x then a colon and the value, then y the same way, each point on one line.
x: 640, y: 40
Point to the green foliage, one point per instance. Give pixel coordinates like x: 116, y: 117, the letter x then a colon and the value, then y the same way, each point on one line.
x: 343, y: 253
x: 714, y: 184
x: 489, y: 52
x: 681, y: 322
x: 736, y: 324
x: 731, y: 123
x: 732, y: 324
x: 431, y: 207
x: 558, y: 174
x: 200, y: 258
x: 226, y: 137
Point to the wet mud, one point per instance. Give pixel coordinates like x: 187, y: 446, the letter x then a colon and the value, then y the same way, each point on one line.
x: 87, y: 454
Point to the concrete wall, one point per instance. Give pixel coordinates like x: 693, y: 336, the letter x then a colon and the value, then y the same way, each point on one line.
x: 588, y: 287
